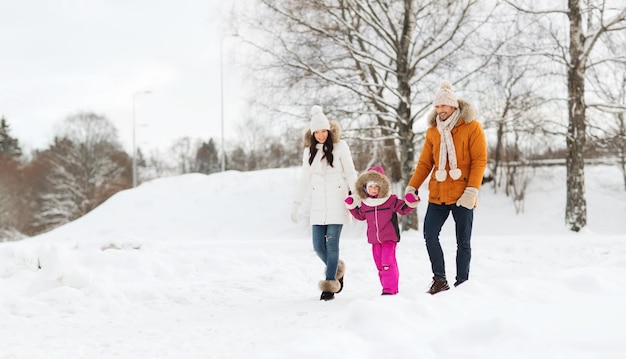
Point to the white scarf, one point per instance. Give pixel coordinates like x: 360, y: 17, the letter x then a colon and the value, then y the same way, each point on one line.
x: 446, y: 147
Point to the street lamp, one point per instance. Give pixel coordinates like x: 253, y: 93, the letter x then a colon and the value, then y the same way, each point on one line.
x: 134, y: 143
x: 223, y: 154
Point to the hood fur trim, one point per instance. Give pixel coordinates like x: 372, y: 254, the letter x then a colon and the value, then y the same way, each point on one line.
x: 335, y: 130
x: 468, y: 113
x: 374, y: 176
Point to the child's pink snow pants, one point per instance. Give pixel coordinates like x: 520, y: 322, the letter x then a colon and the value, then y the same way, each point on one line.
x: 385, y: 259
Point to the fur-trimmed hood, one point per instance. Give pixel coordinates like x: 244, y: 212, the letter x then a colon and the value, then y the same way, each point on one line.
x: 335, y: 131
x: 372, y: 176
x: 468, y: 113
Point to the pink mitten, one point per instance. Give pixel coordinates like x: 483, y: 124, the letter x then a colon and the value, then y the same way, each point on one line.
x: 351, y: 202
x: 411, y: 197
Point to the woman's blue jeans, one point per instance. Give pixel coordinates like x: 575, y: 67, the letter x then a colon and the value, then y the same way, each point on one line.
x: 436, y: 215
x: 326, y: 245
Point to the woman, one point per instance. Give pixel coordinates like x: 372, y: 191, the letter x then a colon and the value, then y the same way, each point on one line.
x: 328, y: 171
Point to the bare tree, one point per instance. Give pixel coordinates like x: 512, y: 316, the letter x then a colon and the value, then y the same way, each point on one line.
x: 64, y: 197
x: 374, y: 62
x: 261, y: 146
x: 588, y: 22
x: 511, y: 103
x: 157, y: 165
x: 84, y: 166
x: 518, y: 173
x: 379, y: 60
x: 609, y: 131
x: 183, y: 153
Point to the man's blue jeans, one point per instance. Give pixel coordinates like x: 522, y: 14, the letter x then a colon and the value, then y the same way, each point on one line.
x: 436, y: 215
x: 326, y: 245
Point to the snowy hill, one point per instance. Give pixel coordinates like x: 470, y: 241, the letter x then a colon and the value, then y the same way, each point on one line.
x: 200, y: 266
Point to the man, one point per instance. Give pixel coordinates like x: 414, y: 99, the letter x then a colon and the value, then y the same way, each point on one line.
x: 455, y: 151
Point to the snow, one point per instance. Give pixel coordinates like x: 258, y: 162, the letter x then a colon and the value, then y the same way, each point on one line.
x: 198, y: 266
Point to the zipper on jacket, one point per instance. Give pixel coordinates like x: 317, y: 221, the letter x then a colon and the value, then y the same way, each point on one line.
x: 377, y: 228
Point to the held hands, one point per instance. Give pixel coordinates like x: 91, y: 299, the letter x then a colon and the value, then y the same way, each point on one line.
x: 411, y: 197
x: 468, y: 198
x: 294, y: 212
x: 351, y: 201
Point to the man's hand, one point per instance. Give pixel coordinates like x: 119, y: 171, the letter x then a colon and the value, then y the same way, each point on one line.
x: 468, y: 198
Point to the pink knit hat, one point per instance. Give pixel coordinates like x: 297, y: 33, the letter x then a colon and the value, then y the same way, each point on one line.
x: 378, y: 169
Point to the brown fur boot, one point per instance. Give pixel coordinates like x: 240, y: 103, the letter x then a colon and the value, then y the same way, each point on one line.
x: 341, y: 270
x: 329, y: 288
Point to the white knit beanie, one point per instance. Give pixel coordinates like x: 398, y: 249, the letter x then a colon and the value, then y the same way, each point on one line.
x: 318, y: 119
x: 371, y: 183
x: 446, y: 96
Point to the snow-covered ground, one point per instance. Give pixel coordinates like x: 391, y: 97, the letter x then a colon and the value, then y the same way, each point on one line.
x: 200, y: 266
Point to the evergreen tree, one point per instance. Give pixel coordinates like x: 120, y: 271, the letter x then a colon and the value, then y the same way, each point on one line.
x: 9, y: 146
x: 207, y: 159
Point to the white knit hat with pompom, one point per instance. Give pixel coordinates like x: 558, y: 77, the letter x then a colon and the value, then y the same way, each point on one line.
x: 446, y: 96
x: 318, y: 119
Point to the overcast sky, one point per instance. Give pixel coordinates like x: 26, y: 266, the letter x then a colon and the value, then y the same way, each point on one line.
x: 60, y: 57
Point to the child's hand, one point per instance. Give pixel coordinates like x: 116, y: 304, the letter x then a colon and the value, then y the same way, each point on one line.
x: 351, y: 201
x: 411, y: 197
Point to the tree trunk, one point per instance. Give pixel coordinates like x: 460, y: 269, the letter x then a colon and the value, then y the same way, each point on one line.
x: 407, y: 158
x: 497, y: 158
x: 405, y: 124
x: 576, y: 204
x: 621, y: 146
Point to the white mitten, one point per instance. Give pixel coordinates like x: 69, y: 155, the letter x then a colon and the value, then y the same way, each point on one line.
x: 294, y: 212
x: 468, y: 198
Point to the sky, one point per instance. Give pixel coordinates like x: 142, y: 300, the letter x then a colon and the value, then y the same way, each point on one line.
x: 210, y: 266
x: 62, y: 57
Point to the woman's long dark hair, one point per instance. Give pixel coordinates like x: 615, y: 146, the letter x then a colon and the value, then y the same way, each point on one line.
x: 328, y: 149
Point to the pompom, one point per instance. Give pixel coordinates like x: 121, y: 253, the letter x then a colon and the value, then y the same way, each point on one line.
x: 316, y: 110
x: 318, y: 119
x: 378, y: 169
x: 445, y: 95
x: 446, y: 85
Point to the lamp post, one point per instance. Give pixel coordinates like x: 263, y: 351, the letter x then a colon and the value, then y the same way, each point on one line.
x: 134, y: 143
x: 222, y: 154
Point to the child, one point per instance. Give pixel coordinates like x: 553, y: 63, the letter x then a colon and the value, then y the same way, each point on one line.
x: 375, y: 204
